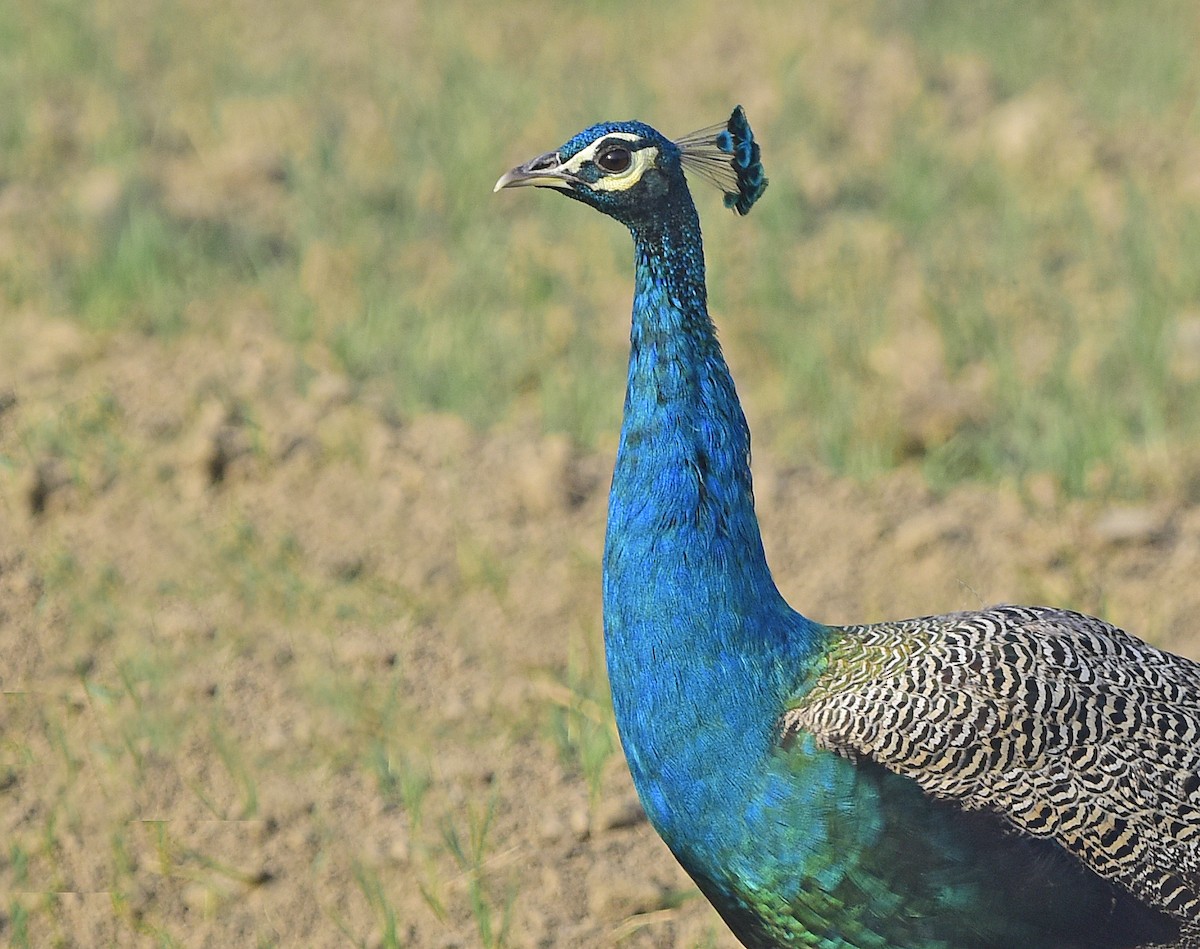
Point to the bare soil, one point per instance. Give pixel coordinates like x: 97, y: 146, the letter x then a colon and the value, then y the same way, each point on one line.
x: 269, y: 653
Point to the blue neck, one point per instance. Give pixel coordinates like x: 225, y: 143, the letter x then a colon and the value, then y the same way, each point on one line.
x: 689, y: 602
x: 682, y: 479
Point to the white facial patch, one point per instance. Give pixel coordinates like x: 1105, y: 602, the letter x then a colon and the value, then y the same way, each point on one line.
x: 640, y: 160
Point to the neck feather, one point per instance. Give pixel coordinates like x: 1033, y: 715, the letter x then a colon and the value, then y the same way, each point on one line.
x: 682, y: 488
x: 686, y: 583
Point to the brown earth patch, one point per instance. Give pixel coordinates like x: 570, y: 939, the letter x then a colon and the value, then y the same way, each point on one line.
x: 279, y: 668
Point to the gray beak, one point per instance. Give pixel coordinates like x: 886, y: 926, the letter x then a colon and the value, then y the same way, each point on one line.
x: 545, y: 171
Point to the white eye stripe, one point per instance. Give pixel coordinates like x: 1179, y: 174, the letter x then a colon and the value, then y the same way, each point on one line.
x: 579, y: 159
x: 641, y: 159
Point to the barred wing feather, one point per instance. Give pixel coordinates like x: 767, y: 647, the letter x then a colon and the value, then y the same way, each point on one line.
x: 1066, y: 726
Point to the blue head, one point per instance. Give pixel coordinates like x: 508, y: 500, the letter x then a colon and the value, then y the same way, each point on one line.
x: 634, y: 173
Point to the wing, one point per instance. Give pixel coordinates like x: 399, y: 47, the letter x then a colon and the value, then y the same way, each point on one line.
x: 1067, y: 727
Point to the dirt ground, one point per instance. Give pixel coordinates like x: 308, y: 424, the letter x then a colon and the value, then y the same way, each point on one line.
x: 279, y: 669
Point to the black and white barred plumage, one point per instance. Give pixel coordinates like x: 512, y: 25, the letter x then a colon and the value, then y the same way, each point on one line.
x: 1066, y: 726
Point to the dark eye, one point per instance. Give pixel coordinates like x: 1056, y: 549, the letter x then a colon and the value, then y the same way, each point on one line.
x: 615, y: 158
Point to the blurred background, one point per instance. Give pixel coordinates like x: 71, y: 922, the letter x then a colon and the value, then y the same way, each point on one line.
x: 305, y: 435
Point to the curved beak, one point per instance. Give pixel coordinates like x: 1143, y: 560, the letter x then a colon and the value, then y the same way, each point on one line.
x: 545, y: 171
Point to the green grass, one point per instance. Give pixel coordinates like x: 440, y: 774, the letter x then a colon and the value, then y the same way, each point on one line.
x: 1120, y: 64
x: 380, y: 902
x: 350, y: 200
x: 579, y: 714
x: 467, y: 841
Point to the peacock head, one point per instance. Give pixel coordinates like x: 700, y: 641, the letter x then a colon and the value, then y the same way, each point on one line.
x: 634, y: 173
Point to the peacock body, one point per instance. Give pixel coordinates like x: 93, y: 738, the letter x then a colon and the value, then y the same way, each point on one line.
x: 1014, y: 778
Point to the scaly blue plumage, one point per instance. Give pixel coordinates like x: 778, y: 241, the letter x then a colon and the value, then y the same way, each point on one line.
x: 728, y: 703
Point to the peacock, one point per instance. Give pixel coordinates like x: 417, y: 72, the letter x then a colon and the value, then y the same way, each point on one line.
x: 1009, y: 778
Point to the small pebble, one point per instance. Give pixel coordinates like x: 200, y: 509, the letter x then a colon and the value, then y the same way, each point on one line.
x: 619, y: 813
x: 580, y: 823
x: 1129, y: 525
